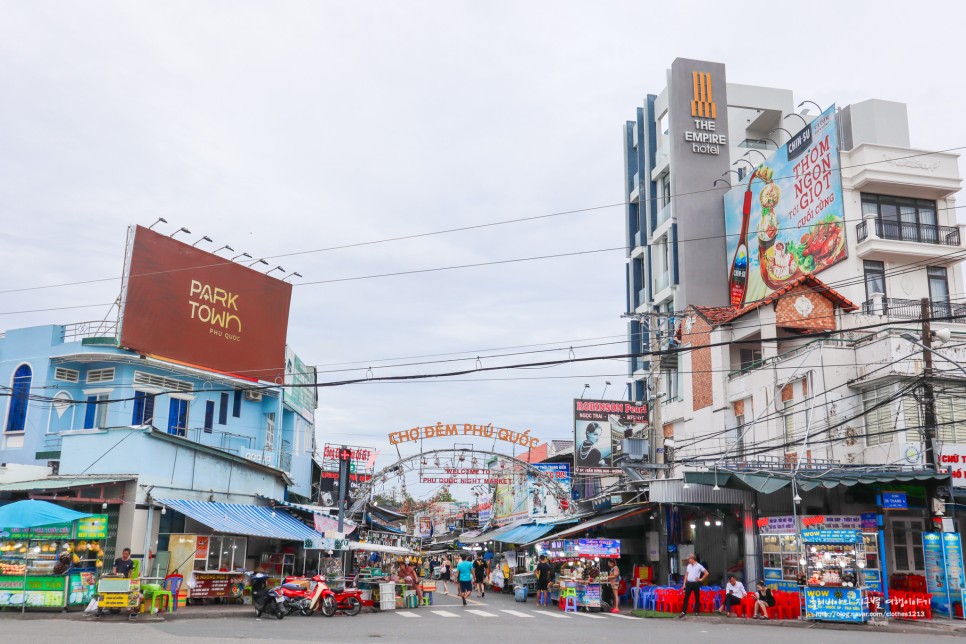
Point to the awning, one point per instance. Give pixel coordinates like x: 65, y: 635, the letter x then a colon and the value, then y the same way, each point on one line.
x: 60, y: 483
x: 760, y: 482
x: 378, y: 547
x: 250, y: 520
x: 330, y: 513
x: 489, y: 535
x: 524, y: 533
x: 596, y: 521
x: 384, y: 514
x: 378, y: 527
x: 769, y: 482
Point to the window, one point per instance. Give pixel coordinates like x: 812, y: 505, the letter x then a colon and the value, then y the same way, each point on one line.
x: 749, y: 358
x: 143, y: 408
x: 19, y: 397
x: 100, y: 375
x: 236, y: 404
x: 880, y: 419
x: 907, y: 545
x: 903, y: 219
x: 227, y: 553
x: 209, y: 416
x: 874, y: 278
x: 178, y: 417
x: 269, y: 431
x: 788, y: 418
x: 939, y: 292
x: 95, y: 415
x: 67, y: 375
x: 223, y: 409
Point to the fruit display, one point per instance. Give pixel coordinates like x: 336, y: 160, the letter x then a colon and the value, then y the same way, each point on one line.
x: 45, y: 557
x: 7, y: 568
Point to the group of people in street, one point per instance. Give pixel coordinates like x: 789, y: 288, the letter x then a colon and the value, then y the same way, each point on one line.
x: 470, y: 574
x: 735, y: 591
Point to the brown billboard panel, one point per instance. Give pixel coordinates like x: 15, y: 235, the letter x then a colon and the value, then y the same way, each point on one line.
x: 189, y: 306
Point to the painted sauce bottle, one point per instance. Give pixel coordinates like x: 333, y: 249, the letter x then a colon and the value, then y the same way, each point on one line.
x: 738, y: 283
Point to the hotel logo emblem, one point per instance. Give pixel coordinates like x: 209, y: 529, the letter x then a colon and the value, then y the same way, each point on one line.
x: 703, y: 104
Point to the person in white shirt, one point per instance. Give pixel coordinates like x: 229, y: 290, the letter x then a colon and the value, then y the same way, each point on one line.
x: 734, y: 593
x: 693, y: 576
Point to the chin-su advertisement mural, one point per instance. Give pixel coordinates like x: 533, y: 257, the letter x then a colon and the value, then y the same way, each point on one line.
x: 787, y: 219
x: 185, y: 305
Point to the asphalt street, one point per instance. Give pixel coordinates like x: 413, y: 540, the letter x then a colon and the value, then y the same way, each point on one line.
x: 486, y: 620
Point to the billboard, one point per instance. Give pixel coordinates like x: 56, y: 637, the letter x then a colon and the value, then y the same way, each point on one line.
x: 788, y: 219
x: 189, y: 306
x: 599, y: 428
x: 302, y: 395
x: 543, y: 500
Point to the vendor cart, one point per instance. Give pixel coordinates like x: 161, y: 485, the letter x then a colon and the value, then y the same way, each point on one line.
x: 116, y: 593
x: 834, y: 591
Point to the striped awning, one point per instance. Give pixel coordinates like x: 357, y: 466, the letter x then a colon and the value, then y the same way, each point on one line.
x: 250, y: 520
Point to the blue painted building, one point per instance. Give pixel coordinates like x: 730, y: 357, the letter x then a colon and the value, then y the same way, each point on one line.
x: 73, y: 401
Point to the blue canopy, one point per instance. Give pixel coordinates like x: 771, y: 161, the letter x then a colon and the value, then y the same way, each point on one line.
x: 251, y: 520
x: 32, y: 513
x: 523, y: 533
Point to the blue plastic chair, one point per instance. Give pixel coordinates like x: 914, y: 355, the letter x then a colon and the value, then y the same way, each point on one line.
x: 172, y: 585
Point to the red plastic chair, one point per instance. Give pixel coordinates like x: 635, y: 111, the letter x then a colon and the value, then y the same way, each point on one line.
x: 746, y: 607
x: 706, y: 601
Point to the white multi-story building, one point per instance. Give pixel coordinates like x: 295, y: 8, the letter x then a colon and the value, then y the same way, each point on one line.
x: 809, y: 375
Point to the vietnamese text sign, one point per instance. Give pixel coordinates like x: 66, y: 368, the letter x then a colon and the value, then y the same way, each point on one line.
x: 363, y: 458
x: 953, y: 458
x: 797, y: 226
x: 599, y: 429
x: 217, y: 585
x: 194, y: 307
x: 831, y: 536
x: 462, y: 430
x: 894, y: 501
x: 466, y: 476
x: 610, y: 548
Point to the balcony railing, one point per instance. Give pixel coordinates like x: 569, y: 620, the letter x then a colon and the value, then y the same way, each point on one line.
x: 912, y: 232
x: 661, y: 282
x: 662, y: 215
x: 912, y: 309
x: 661, y: 154
x: 97, y: 329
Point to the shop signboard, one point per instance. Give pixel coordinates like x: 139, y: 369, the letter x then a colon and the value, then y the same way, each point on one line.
x: 217, y: 585
x: 326, y: 543
x: 363, y: 458
x: 82, y: 588
x: 609, y: 548
x: 944, y: 568
x: 93, y: 527
x: 834, y: 604
x: 787, y: 218
x: 894, y: 501
x: 786, y: 524
x: 190, y: 306
x: 41, y: 591
x: 600, y: 426
x: 953, y: 458
x: 301, y: 394
x: 588, y: 595
x: 201, y: 551
x: 831, y: 536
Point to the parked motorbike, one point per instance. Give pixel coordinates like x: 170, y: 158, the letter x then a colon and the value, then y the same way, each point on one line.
x: 264, y: 599
x: 295, y: 596
x: 323, y: 599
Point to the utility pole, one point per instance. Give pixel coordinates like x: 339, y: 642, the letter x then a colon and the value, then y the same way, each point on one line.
x: 928, y: 395
x: 657, y: 425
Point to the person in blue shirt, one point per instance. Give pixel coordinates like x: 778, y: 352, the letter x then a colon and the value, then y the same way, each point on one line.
x: 464, y: 571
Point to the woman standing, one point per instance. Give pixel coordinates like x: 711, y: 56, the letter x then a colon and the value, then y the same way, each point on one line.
x: 614, y: 579
x: 444, y: 573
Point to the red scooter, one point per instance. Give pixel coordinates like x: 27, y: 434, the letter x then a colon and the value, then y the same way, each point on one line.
x: 319, y: 597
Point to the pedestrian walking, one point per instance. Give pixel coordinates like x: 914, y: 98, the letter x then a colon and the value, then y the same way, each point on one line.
x: 734, y: 593
x: 444, y: 573
x: 464, y: 572
x: 479, y: 571
x: 543, y: 582
x: 693, y: 576
x: 764, y: 600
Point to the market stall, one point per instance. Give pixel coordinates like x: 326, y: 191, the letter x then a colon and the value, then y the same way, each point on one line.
x: 579, y: 568
x: 834, y: 590
x: 781, y: 551
x: 374, y: 574
x: 57, y: 565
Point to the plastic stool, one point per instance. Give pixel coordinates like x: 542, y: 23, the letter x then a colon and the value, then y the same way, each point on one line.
x: 569, y: 598
x: 427, y: 598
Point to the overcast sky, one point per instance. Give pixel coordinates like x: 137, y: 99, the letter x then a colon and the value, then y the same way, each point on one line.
x: 282, y: 127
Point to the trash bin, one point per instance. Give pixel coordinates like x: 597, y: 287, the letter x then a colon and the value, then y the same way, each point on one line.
x: 520, y: 593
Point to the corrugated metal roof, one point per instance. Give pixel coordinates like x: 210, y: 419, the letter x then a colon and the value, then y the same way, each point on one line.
x: 60, y: 483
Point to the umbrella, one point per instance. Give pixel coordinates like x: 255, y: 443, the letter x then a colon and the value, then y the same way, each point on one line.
x: 31, y: 514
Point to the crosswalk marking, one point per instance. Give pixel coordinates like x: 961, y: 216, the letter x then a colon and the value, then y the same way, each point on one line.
x: 623, y: 616
x: 590, y: 616
x: 443, y: 613
x: 481, y: 613
x: 406, y: 613
x: 515, y: 613
x: 549, y: 614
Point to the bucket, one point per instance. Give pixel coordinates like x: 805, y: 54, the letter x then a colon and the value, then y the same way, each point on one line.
x: 388, y: 604
x: 520, y: 593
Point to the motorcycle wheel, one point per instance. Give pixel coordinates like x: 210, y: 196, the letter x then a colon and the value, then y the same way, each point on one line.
x: 328, y: 606
x: 258, y: 612
x: 305, y: 608
x: 354, y: 606
x: 279, y: 612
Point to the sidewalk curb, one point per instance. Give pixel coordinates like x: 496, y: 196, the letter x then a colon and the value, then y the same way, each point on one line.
x: 906, y: 628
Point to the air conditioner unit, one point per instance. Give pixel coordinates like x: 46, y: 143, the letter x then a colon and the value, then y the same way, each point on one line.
x: 253, y: 395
